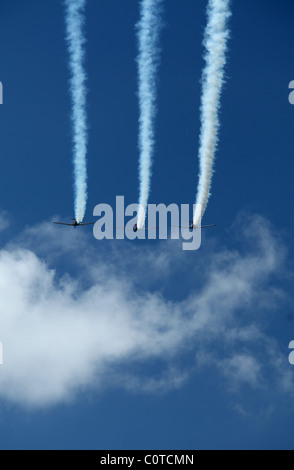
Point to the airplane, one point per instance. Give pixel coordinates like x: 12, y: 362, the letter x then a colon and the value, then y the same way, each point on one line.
x: 191, y: 226
x: 74, y: 224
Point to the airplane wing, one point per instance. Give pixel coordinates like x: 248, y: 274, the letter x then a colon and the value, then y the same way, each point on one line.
x: 61, y: 223
x: 194, y: 227
x: 88, y: 223
x: 177, y: 226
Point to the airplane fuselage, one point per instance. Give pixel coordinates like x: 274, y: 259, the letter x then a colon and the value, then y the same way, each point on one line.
x: 74, y: 223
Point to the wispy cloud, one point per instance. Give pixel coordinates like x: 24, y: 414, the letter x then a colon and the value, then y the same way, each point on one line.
x: 4, y: 220
x: 62, y: 333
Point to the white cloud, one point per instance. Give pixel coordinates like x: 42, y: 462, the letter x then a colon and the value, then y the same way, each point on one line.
x: 4, y: 220
x: 242, y: 368
x: 61, y: 334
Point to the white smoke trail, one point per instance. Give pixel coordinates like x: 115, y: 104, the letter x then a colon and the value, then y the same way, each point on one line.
x: 75, y: 42
x: 149, y: 28
x: 215, y: 42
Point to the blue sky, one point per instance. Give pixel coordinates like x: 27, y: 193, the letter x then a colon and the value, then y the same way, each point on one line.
x: 125, y: 345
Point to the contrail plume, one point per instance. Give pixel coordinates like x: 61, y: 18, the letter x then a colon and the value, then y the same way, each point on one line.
x: 148, y: 28
x: 74, y: 18
x: 215, y: 43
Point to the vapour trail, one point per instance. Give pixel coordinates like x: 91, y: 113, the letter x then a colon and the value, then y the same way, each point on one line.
x: 148, y: 29
x: 215, y: 43
x: 74, y: 19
